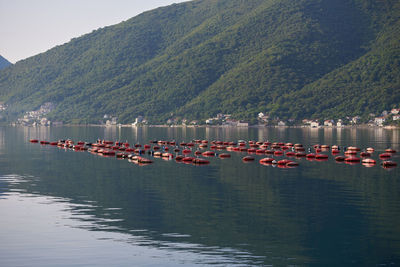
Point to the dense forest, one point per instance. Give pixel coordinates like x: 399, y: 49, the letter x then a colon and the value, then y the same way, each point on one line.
x: 290, y: 59
x: 4, y: 62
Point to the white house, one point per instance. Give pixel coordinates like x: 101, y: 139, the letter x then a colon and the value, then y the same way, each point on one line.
x: 396, y: 117
x: 379, y: 121
x: 44, y: 121
x: 314, y: 124
x: 242, y: 124
x: 395, y: 111
x: 355, y: 119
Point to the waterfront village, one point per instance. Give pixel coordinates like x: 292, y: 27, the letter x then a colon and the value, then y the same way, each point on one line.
x: 386, y: 118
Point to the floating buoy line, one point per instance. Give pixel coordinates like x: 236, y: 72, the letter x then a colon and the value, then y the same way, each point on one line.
x: 196, y: 152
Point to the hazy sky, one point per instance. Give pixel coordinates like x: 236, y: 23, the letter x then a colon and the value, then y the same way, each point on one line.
x: 29, y: 27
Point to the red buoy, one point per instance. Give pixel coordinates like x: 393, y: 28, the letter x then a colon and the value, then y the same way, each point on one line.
x: 179, y: 158
x: 335, y: 151
x: 340, y: 158
x: 283, y: 162
x: 369, y: 161
x: 292, y: 164
x: 200, y: 161
x: 208, y: 154
x: 248, y: 158
x: 365, y: 154
x: 352, y: 159
x: 187, y: 159
x: 267, y: 161
x: 389, y: 164
x: 385, y: 155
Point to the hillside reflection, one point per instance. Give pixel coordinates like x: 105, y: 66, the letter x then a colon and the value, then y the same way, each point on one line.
x: 249, y: 213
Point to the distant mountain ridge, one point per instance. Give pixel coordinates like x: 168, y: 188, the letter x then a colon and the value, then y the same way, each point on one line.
x: 4, y: 62
x: 290, y: 59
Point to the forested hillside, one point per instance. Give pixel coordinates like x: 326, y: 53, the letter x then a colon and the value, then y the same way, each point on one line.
x: 291, y: 59
x: 4, y: 62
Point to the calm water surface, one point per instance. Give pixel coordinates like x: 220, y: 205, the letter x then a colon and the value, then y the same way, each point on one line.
x: 65, y: 208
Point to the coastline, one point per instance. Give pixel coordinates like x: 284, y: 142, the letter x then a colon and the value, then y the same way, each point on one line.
x: 361, y: 126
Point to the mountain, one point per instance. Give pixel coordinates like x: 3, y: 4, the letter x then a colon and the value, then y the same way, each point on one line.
x: 291, y: 59
x: 4, y: 62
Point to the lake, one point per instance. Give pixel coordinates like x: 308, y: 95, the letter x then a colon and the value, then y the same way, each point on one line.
x: 61, y: 207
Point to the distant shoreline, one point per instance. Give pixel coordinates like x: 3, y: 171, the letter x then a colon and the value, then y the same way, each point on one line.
x: 220, y: 126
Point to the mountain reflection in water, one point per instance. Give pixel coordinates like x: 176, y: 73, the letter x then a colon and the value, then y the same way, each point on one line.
x: 104, y: 211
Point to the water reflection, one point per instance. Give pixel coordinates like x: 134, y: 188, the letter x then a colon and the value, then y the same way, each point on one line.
x: 229, y: 212
x: 70, y: 237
